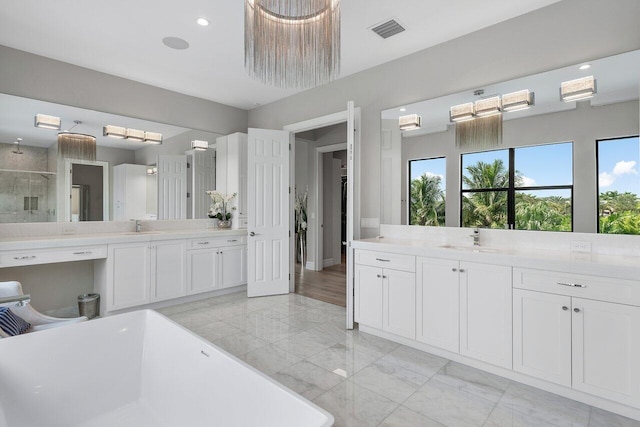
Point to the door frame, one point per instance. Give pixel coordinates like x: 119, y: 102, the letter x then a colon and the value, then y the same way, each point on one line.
x: 68, y: 179
x: 352, y: 220
x: 318, y: 188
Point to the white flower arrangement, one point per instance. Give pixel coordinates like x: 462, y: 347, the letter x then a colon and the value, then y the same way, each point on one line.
x: 220, y: 206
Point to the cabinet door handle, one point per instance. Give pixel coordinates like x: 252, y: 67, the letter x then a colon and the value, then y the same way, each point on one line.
x: 204, y: 243
x: 462, y: 270
x: 82, y: 253
x: 24, y: 258
x: 577, y: 310
x: 253, y: 234
x: 378, y: 276
x: 234, y: 240
x: 383, y: 260
x: 384, y: 277
x: 454, y: 269
x: 572, y: 285
x: 565, y: 308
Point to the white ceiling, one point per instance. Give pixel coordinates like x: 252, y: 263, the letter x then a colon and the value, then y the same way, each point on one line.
x: 124, y: 38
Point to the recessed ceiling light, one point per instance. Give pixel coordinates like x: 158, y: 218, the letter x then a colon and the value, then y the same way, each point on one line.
x: 585, y: 67
x: 203, y: 21
x: 403, y: 109
x: 175, y: 43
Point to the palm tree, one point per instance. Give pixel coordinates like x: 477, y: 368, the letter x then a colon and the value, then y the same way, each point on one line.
x: 487, y: 209
x: 427, y: 201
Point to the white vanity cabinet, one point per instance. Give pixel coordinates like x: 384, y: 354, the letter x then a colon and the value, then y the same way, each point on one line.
x: 216, y: 263
x: 485, y: 313
x: 140, y: 273
x: 438, y: 303
x: 385, y: 292
x: 572, y: 330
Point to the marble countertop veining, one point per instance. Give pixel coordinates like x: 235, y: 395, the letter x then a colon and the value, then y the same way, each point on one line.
x: 615, y: 266
x: 67, y: 240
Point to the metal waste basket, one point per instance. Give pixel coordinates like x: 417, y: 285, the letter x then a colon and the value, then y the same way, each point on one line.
x: 89, y: 305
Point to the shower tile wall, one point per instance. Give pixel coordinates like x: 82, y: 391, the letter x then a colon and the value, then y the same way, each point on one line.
x: 20, y: 192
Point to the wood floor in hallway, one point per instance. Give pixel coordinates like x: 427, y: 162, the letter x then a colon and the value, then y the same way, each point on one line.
x: 328, y: 285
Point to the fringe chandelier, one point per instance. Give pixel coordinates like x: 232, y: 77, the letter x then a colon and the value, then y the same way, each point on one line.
x: 292, y: 43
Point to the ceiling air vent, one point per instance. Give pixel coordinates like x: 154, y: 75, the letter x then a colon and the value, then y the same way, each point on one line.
x: 388, y: 28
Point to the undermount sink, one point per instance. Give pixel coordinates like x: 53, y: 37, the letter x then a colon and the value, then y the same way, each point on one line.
x: 478, y: 249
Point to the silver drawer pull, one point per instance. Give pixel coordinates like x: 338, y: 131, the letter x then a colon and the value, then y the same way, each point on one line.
x: 23, y: 258
x: 383, y: 260
x: 572, y: 285
x: 234, y: 240
x: 378, y: 276
x: 83, y: 253
x: 203, y: 243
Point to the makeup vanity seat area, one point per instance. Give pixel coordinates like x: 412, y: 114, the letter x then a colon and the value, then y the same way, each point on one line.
x: 527, y: 319
x: 132, y: 270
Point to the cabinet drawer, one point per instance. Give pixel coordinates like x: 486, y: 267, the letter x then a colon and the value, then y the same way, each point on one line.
x: 578, y: 285
x: 49, y: 256
x: 386, y: 260
x: 217, y: 242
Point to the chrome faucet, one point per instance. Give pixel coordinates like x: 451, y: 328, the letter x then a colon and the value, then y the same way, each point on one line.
x: 138, y: 226
x: 476, y: 236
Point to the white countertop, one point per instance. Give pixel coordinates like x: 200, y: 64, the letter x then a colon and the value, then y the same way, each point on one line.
x: 618, y: 266
x: 67, y: 240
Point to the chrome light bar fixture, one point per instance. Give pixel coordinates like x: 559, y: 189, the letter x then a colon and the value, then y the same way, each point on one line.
x: 199, y: 145
x: 491, y: 106
x: 132, y: 134
x: 519, y: 100
x: 578, y: 90
x: 410, y: 122
x: 47, y: 122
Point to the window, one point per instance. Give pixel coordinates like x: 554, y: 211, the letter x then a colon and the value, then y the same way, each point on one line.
x: 528, y: 188
x: 618, y: 186
x: 427, y: 191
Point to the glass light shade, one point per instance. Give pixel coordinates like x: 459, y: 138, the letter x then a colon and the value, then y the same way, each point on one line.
x: 462, y: 112
x: 410, y: 122
x: 576, y: 90
x: 199, y: 145
x: 488, y: 106
x: 153, y: 137
x: 519, y: 100
x: 47, y: 122
x: 135, y: 135
x: 114, y: 131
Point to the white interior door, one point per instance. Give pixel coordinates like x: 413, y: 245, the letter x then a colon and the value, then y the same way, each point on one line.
x: 172, y: 187
x: 268, y: 194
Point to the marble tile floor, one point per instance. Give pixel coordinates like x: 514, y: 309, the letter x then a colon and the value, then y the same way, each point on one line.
x: 368, y: 381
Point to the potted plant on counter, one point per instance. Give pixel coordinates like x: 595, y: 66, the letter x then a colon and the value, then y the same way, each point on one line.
x: 221, y: 207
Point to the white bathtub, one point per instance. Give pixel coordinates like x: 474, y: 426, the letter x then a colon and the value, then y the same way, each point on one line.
x: 138, y: 369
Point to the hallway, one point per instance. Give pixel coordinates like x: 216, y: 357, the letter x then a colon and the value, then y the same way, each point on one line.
x: 328, y: 285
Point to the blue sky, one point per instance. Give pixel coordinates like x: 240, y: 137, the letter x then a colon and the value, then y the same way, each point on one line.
x: 552, y: 164
x: 619, y: 165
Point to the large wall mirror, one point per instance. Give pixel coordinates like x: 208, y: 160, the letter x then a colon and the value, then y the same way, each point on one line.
x: 41, y: 183
x: 550, y: 164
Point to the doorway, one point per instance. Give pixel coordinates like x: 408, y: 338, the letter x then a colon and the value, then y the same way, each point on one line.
x: 86, y: 189
x: 321, y: 185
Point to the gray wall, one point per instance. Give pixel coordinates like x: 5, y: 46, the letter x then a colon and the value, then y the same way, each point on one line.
x: 559, y: 35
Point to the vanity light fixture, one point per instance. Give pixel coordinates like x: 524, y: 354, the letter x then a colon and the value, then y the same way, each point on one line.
x: 577, y: 90
x: 135, y: 135
x: 153, y: 138
x: 488, y: 106
x: 47, y: 122
x: 410, y: 122
x: 114, y: 131
x: 199, y: 145
x: 462, y: 112
x: 519, y: 100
